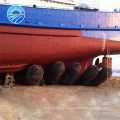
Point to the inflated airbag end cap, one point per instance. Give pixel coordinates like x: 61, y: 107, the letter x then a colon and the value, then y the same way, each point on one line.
x: 34, y: 75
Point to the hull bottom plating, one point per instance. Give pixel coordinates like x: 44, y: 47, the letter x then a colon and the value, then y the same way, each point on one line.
x: 23, y: 45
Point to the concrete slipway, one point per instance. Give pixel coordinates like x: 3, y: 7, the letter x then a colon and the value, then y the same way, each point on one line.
x: 60, y: 103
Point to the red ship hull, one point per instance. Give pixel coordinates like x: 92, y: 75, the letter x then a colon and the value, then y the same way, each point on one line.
x: 21, y: 46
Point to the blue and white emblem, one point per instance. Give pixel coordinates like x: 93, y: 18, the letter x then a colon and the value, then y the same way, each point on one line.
x: 16, y: 14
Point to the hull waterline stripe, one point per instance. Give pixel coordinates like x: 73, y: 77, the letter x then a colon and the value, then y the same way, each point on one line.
x: 66, y: 27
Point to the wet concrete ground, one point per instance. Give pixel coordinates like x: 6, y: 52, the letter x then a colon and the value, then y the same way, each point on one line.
x: 60, y: 103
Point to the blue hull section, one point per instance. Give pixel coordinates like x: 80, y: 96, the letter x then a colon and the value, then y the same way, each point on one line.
x: 66, y: 19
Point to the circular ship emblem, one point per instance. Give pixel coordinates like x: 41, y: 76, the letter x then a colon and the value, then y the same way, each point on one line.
x: 16, y: 14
